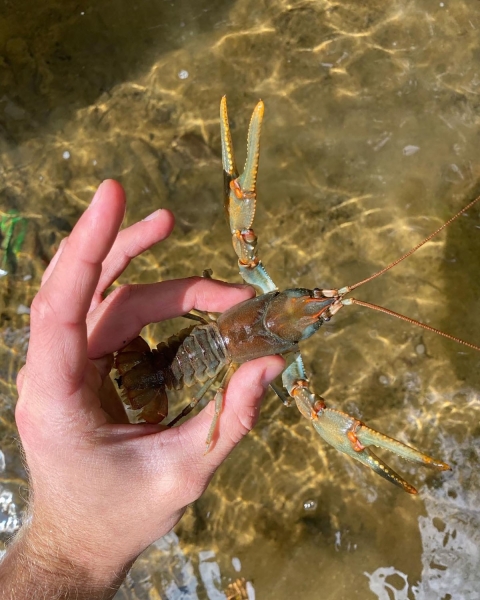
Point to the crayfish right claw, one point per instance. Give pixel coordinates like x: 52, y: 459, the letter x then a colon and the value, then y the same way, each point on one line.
x: 371, y: 437
x: 347, y: 434
x: 369, y: 459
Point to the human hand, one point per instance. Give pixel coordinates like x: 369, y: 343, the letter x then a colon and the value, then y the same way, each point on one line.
x: 101, y: 492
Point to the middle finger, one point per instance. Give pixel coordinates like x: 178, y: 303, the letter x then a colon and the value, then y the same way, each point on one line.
x: 131, y: 242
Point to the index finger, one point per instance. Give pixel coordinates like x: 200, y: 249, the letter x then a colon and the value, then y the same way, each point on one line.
x: 58, y: 316
x: 129, y: 308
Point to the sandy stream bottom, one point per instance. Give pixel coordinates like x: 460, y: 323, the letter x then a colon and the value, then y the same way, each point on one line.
x: 371, y: 140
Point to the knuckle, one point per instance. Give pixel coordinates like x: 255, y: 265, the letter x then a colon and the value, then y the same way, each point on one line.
x: 20, y: 377
x: 24, y: 420
x: 196, y: 283
x: 180, y: 488
x: 245, y: 421
x: 42, y: 309
x: 63, y: 243
x: 200, y: 291
x: 245, y: 413
x: 193, y: 486
x: 188, y: 475
x: 123, y: 294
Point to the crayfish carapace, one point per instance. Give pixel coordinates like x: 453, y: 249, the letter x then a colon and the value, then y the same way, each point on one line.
x: 272, y: 323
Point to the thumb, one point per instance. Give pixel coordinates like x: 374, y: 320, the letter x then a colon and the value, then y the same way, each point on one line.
x: 241, y: 406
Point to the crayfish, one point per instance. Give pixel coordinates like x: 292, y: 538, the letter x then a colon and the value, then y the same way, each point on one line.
x: 274, y: 322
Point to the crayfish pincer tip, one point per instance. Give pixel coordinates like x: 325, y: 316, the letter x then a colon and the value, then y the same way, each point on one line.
x: 437, y: 464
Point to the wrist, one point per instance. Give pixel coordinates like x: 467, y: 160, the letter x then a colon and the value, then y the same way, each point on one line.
x: 36, y: 565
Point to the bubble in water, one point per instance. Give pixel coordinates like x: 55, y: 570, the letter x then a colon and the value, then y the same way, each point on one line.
x: 310, y: 504
x: 66, y: 155
x: 183, y: 74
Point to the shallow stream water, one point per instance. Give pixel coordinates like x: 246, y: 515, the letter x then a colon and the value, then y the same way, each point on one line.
x: 371, y: 140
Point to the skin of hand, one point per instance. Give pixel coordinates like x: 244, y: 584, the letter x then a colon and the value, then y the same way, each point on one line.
x: 101, y: 492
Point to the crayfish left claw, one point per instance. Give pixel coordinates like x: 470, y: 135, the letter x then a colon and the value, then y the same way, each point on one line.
x: 240, y: 191
x: 240, y: 198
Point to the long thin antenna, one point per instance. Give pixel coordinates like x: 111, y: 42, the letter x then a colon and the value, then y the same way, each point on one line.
x: 408, y: 320
x: 349, y: 288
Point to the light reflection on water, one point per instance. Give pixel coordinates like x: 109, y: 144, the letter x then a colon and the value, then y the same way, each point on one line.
x: 370, y: 142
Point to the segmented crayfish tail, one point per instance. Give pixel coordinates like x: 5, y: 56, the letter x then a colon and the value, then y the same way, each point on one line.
x: 195, y: 355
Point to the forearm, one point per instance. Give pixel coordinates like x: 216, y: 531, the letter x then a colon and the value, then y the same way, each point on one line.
x: 38, y: 571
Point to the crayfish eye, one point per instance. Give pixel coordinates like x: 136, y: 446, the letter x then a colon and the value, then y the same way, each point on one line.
x: 321, y: 294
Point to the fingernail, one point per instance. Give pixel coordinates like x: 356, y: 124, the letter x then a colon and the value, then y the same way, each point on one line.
x: 243, y: 286
x: 97, y: 196
x: 154, y: 215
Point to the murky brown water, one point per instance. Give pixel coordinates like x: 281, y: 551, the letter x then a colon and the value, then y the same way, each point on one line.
x: 371, y: 140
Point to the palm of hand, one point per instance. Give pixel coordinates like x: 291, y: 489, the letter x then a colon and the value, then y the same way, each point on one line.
x: 103, y: 487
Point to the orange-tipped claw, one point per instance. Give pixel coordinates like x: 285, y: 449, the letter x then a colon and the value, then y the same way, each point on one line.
x: 347, y: 434
x: 351, y: 436
x: 240, y: 197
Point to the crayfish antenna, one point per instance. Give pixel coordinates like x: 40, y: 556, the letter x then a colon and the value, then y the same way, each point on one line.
x: 392, y: 313
x: 348, y: 288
